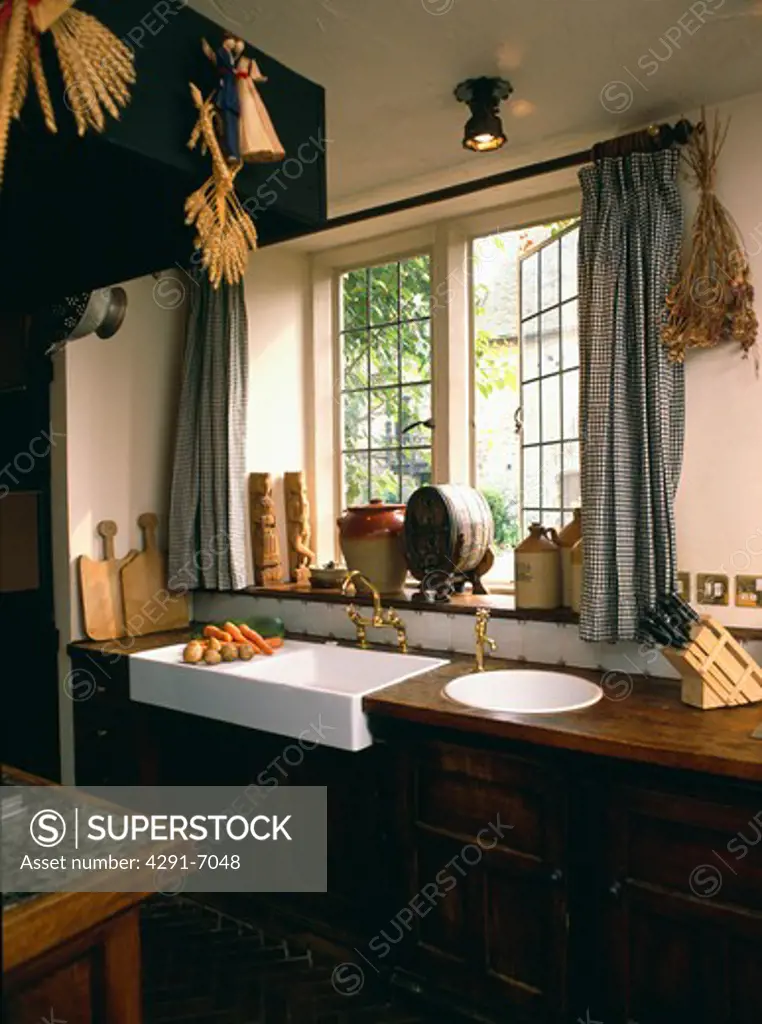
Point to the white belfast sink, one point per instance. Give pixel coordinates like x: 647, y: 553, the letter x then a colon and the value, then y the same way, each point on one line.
x: 524, y: 691
x: 308, y: 691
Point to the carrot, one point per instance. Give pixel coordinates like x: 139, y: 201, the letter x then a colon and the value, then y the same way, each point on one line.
x: 235, y: 632
x: 218, y: 634
x: 259, y: 642
x: 275, y: 642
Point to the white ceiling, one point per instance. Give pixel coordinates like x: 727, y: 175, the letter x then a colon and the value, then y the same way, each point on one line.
x: 582, y: 70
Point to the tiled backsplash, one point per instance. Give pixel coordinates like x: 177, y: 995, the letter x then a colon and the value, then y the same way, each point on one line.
x: 548, y: 643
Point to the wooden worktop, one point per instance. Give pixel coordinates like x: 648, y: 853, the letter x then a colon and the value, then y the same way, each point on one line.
x: 647, y: 724
x: 650, y: 725
x: 41, y: 922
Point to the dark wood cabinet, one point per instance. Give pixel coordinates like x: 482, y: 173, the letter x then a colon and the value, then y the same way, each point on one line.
x: 620, y: 895
x: 684, y: 924
x: 485, y: 846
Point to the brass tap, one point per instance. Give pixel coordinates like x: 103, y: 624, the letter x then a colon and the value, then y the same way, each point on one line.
x: 482, y: 640
x: 380, y: 619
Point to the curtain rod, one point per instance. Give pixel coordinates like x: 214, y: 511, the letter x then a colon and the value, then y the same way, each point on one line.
x: 654, y: 138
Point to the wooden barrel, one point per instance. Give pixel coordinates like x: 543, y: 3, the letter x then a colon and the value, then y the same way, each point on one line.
x: 448, y: 528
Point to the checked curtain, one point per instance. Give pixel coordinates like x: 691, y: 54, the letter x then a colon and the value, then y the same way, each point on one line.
x: 207, y: 507
x: 632, y: 400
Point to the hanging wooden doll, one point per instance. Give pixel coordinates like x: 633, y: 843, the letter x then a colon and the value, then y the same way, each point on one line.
x: 259, y: 142
x: 226, y: 97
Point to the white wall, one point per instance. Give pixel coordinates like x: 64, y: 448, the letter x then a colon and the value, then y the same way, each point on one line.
x: 719, y: 503
x: 278, y: 309
x: 121, y: 407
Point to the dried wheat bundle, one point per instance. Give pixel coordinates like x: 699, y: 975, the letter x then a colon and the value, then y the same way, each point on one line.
x: 713, y: 302
x: 97, y: 68
x: 224, y: 231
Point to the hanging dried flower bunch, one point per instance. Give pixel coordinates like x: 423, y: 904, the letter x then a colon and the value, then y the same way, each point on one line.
x: 96, y: 67
x: 713, y: 302
x: 224, y: 231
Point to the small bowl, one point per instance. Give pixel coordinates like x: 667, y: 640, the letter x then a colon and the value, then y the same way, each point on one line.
x: 328, y: 579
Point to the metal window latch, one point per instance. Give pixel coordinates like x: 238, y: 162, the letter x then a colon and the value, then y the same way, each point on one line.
x: 429, y: 423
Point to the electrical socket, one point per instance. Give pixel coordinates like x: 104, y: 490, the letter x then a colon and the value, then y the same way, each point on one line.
x: 749, y: 591
x: 684, y: 585
x: 712, y: 588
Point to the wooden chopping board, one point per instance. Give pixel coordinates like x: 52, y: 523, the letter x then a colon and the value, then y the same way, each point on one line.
x: 101, y: 588
x: 148, y: 607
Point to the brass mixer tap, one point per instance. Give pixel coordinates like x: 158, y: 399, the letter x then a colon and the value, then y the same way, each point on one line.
x: 380, y: 619
x: 482, y: 640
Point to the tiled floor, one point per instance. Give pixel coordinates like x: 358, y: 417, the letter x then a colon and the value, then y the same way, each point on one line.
x: 200, y: 967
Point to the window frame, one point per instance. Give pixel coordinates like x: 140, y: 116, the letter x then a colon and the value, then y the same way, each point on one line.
x: 499, y: 586
x: 558, y: 375
x: 383, y: 257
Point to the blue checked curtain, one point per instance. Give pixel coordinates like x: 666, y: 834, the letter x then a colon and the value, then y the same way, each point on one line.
x: 207, y: 504
x: 632, y: 398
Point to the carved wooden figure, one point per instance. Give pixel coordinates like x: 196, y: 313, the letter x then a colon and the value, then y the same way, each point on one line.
x: 265, y: 547
x: 297, y: 524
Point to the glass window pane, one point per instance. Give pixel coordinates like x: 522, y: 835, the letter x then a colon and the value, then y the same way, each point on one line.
x: 415, y: 287
x: 416, y: 406
x: 551, y: 517
x: 572, y: 489
x: 551, y: 476
x: 356, y: 479
x: 384, y: 417
x: 549, y: 275
x: 355, y: 359
x: 551, y: 409
x: 530, y: 300
x: 570, y: 335
x: 532, y: 476
x: 571, y: 403
x: 384, y: 294
x: 531, y: 515
x: 384, y: 366
x: 356, y: 419
x: 385, y: 478
x: 531, y: 413
x: 416, y: 470
x: 354, y: 290
x: 530, y: 349
x: 550, y: 331
x: 569, y: 281
x: 415, y: 339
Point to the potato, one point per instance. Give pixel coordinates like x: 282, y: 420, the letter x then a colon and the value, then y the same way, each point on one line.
x: 193, y: 653
x: 229, y: 652
x: 212, y: 657
x: 246, y: 652
x: 214, y: 644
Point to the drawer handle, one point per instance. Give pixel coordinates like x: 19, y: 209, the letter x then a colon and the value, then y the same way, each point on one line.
x: 557, y: 876
x: 100, y: 689
x: 101, y: 733
x: 615, y: 890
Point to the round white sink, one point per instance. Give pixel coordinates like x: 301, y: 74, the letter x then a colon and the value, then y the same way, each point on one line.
x: 524, y: 691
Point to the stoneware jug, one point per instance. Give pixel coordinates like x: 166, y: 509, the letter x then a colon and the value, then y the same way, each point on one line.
x: 538, y: 569
x: 372, y: 541
x: 567, y: 538
x: 577, y: 555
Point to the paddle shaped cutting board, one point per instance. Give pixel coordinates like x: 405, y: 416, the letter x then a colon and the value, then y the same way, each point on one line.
x: 101, y: 587
x: 148, y: 605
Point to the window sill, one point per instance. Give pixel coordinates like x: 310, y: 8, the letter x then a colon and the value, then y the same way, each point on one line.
x: 502, y: 606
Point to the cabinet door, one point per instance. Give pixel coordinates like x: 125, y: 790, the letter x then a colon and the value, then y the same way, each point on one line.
x: 485, y: 904
x: 685, y: 908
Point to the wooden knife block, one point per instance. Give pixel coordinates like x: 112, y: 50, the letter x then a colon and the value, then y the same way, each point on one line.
x: 716, y: 670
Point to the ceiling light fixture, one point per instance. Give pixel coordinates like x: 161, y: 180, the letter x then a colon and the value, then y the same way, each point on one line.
x: 484, y: 129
